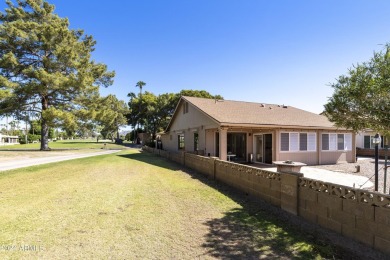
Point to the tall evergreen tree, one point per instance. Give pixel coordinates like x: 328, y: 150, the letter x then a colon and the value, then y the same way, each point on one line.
x: 45, y: 66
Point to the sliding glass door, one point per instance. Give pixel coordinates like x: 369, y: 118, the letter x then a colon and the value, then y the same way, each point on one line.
x: 263, y: 148
x: 236, y: 144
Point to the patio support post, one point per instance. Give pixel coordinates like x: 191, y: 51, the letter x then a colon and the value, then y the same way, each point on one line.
x: 223, y: 143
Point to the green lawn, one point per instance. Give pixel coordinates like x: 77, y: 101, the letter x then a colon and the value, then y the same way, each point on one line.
x: 132, y: 205
x: 68, y: 144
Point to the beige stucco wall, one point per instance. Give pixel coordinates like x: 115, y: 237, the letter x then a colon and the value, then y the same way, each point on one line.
x: 332, y: 157
x: 360, y: 139
x: 210, y: 142
x: 169, y: 143
x: 188, y: 124
x: 207, y: 143
x: 308, y: 157
x: 195, y: 121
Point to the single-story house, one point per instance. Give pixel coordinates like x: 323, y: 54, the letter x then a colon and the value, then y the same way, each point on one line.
x: 255, y: 132
x: 8, y: 139
x: 364, y: 140
x: 365, y: 145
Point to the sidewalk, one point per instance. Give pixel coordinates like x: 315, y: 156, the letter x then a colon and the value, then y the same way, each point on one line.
x: 15, y: 164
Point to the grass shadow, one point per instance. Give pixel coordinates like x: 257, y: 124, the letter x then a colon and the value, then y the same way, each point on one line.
x: 257, y: 229
x: 153, y: 160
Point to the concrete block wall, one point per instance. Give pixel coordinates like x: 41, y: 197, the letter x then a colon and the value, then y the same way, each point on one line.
x: 177, y: 157
x: 357, y: 214
x: 257, y: 182
x: 200, y: 163
x: 164, y: 154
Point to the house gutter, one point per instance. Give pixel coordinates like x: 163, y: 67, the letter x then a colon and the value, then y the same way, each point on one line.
x: 238, y: 125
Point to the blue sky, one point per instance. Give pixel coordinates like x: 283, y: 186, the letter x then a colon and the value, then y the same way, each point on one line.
x: 281, y: 52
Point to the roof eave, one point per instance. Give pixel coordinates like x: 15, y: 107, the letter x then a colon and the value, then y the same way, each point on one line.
x: 229, y: 124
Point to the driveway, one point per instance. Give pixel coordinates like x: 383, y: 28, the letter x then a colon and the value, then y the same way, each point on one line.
x: 21, y: 163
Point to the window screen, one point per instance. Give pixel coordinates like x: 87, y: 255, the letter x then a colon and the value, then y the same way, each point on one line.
x: 325, y: 142
x: 294, y: 142
x: 303, y: 142
x: 340, y: 142
x: 284, y: 142
x: 311, y: 142
x: 348, y: 142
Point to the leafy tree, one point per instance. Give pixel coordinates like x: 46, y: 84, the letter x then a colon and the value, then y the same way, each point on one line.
x: 35, y: 127
x: 197, y: 93
x: 111, y: 115
x: 45, y: 67
x: 155, y: 112
x: 361, y: 99
x: 152, y: 115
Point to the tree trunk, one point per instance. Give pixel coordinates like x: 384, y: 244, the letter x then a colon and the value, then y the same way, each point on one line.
x: 44, y: 128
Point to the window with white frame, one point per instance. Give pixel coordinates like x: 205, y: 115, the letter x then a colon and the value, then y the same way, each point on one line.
x: 180, y: 141
x: 298, y: 142
x: 336, y: 142
x: 369, y: 144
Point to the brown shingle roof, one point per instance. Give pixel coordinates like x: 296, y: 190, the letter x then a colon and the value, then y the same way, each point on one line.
x: 238, y: 112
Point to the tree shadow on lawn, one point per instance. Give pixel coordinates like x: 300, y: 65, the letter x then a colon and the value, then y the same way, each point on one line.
x: 153, y: 159
x: 258, y: 229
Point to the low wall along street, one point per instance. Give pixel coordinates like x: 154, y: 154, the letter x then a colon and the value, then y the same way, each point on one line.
x: 357, y: 214
x: 371, y: 152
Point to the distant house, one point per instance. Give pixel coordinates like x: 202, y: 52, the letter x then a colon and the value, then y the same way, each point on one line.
x: 365, y: 145
x: 263, y: 133
x: 8, y: 139
x: 364, y: 140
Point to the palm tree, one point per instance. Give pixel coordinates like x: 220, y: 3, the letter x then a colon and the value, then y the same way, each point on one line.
x: 139, y: 85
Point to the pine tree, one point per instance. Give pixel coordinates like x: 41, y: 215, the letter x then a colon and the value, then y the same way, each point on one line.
x: 45, y: 66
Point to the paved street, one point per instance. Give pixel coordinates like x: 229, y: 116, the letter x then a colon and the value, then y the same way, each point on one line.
x: 21, y: 163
